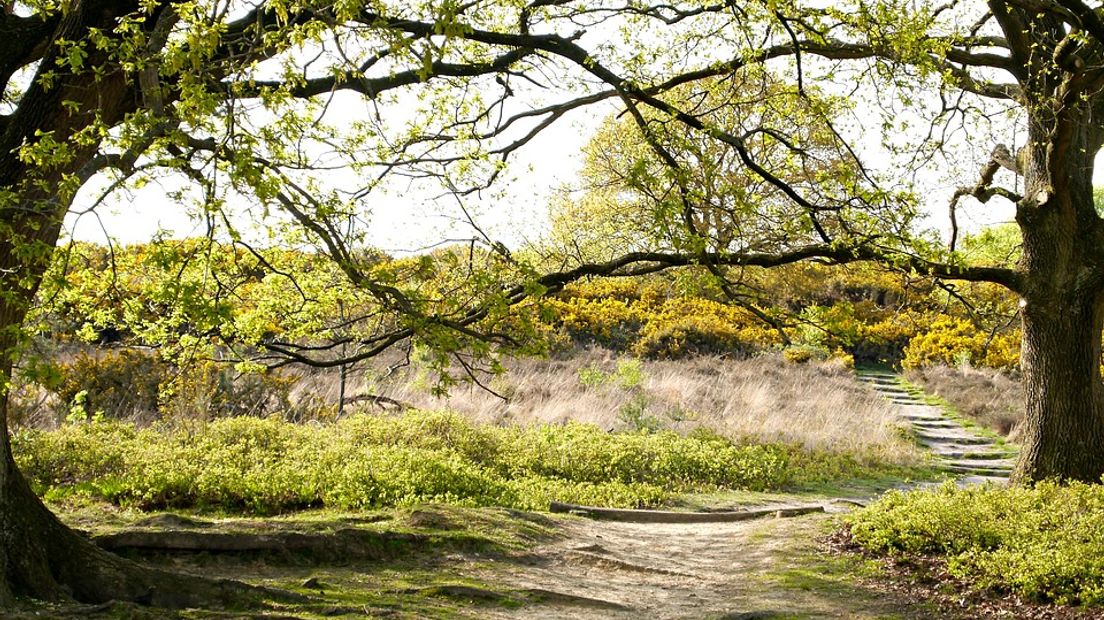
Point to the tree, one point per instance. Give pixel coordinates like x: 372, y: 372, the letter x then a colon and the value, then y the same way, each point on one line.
x: 234, y: 97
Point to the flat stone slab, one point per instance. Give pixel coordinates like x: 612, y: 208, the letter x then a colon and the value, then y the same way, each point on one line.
x: 980, y: 453
x: 890, y: 388
x: 996, y: 471
x: 907, y: 401
x: 985, y: 463
x: 921, y: 413
x: 1002, y: 474
x: 952, y: 437
x: 966, y: 481
x: 934, y: 423
x: 921, y: 416
x: 918, y: 406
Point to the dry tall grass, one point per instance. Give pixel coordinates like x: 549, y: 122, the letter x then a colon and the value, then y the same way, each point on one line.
x: 819, y: 406
x: 989, y: 397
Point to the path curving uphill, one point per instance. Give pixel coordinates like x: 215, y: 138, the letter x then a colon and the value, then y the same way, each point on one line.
x: 974, y: 457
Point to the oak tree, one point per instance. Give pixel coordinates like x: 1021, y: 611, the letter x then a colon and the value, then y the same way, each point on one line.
x: 237, y: 99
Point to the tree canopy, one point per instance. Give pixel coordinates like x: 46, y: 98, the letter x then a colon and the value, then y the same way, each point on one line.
x: 306, y: 111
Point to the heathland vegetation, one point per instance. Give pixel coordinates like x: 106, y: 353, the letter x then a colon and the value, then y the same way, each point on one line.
x: 637, y: 392
x: 755, y: 204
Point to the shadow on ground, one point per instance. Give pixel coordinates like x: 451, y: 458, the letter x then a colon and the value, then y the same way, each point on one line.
x: 450, y: 562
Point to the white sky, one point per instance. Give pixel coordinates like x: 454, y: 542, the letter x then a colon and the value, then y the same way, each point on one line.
x: 404, y: 219
x: 407, y: 219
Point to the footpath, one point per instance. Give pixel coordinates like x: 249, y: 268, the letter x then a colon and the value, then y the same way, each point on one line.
x: 740, y: 564
x: 972, y: 455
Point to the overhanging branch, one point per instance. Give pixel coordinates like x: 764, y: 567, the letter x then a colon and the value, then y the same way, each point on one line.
x: 638, y: 263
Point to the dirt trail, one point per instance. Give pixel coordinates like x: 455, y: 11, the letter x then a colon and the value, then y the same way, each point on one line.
x: 767, y: 568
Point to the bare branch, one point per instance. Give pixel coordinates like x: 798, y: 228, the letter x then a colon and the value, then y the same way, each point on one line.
x: 984, y: 190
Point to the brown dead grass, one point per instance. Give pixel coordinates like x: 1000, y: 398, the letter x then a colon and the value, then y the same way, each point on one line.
x: 990, y: 398
x: 819, y: 406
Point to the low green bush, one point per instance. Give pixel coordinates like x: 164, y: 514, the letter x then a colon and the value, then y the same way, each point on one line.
x: 267, y: 465
x: 1043, y: 543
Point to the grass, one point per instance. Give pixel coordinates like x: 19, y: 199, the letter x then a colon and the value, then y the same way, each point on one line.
x: 269, y: 466
x: 989, y: 398
x: 1040, y: 543
x: 816, y: 405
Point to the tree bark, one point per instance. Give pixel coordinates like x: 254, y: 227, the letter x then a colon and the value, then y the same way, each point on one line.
x: 1063, y: 433
x: 40, y: 557
x: 1063, y: 300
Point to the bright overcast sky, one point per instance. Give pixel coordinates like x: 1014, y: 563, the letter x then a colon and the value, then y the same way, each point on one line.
x: 410, y: 218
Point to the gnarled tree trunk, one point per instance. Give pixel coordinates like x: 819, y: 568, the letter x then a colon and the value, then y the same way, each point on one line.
x: 1063, y: 299
x: 40, y: 557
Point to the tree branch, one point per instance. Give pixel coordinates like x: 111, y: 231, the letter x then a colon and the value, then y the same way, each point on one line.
x: 984, y: 190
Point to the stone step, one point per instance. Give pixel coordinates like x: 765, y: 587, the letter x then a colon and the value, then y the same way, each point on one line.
x: 934, y: 423
x: 979, y: 453
x: 889, y: 384
x: 977, y: 471
x: 966, y: 481
x: 882, y: 384
x: 909, y: 401
x: 1005, y: 464
x: 924, y: 411
x: 912, y: 419
x: 950, y: 438
x: 961, y: 482
x: 946, y: 449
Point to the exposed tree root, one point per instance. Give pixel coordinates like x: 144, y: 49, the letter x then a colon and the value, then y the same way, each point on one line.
x: 43, y: 559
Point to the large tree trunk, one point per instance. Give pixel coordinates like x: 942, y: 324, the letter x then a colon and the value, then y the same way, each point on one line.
x: 43, y: 559
x: 39, y: 556
x: 1063, y: 309
x: 1063, y: 434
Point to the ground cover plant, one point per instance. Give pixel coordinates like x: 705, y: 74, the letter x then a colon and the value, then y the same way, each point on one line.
x: 1041, y: 543
x: 268, y: 466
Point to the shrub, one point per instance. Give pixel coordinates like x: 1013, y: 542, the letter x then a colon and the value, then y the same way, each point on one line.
x: 800, y: 354
x: 121, y: 384
x: 686, y: 327
x: 265, y: 466
x: 132, y: 385
x: 209, y: 390
x: 609, y: 322
x: 653, y: 323
x: 1042, y: 543
x: 884, y: 340
x: 951, y: 341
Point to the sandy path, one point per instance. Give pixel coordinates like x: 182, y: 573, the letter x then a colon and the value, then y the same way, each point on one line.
x: 769, y: 568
